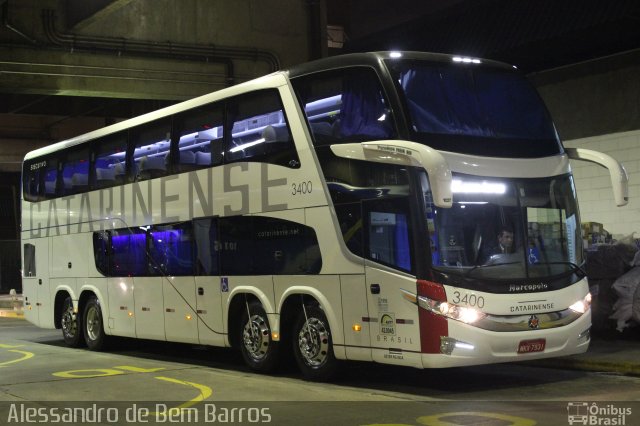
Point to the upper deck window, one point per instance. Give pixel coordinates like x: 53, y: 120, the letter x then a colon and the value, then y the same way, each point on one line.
x: 346, y: 105
x: 474, y: 109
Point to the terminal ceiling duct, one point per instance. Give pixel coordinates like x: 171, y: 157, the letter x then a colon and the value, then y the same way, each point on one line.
x: 193, y: 52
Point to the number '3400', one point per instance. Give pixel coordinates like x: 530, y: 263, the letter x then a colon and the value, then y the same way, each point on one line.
x: 301, y: 188
x: 468, y: 299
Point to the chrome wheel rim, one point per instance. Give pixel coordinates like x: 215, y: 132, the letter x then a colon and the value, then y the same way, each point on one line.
x: 313, y: 341
x: 255, y: 337
x: 69, y: 324
x: 93, y: 323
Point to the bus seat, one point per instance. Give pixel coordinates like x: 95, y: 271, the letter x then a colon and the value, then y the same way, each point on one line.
x: 152, y: 163
x: 187, y: 157
x: 106, y: 174
x: 275, y: 134
x: 151, y: 167
x: 203, y: 158
x: 322, y: 128
x: 50, y: 187
x: 79, y: 180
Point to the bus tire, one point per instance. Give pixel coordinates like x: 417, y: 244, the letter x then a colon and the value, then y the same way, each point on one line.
x: 258, y: 350
x: 71, y: 325
x: 93, y: 326
x: 313, y: 345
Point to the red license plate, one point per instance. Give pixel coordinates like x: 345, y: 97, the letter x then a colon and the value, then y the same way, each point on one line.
x: 529, y: 346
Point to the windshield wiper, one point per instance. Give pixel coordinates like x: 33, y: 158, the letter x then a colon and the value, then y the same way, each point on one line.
x: 574, y: 266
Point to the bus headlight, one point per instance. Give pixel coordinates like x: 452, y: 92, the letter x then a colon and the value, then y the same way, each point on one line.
x: 449, y: 310
x: 582, y: 306
x: 443, y: 308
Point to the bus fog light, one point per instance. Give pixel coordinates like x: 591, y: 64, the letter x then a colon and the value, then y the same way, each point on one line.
x: 448, y: 344
x: 585, y: 334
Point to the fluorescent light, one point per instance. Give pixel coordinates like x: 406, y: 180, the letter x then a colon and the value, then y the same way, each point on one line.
x: 484, y: 187
x: 466, y: 60
x: 246, y: 145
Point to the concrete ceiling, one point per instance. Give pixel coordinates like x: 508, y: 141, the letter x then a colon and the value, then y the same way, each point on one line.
x: 535, y: 35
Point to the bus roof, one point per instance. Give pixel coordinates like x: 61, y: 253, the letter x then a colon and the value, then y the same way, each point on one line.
x: 373, y: 59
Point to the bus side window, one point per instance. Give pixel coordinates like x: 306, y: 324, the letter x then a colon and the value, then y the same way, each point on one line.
x: 40, y: 176
x: 110, y: 154
x: 260, y: 132
x: 75, y: 171
x: 387, y: 237
x: 205, y: 234
x: 51, y: 179
x: 283, y: 247
x: 197, y: 140
x: 171, y: 250
x: 129, y: 253
x: 29, y: 260
x: 101, y: 252
x: 346, y: 105
x: 236, y: 246
x: 150, y: 146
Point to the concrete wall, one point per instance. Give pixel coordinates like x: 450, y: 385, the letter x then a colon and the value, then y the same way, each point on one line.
x: 594, y: 185
x: 596, y: 105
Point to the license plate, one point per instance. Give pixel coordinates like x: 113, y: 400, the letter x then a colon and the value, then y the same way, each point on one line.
x: 529, y: 346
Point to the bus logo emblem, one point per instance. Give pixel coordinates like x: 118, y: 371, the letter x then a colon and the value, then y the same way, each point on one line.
x: 534, y: 322
x: 387, y: 324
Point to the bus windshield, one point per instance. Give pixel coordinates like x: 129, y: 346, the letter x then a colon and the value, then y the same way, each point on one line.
x: 506, y: 228
x: 474, y: 109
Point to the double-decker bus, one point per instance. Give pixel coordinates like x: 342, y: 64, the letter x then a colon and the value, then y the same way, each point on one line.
x: 398, y: 207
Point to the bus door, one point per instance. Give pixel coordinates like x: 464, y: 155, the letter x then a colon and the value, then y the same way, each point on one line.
x: 208, y: 283
x: 122, y: 321
x: 36, y: 281
x: 180, y: 319
x: 209, y: 309
x: 394, y: 321
x: 149, y: 304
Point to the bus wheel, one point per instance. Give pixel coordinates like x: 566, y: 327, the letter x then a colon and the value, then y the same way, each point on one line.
x: 93, y: 326
x: 71, y: 329
x: 258, y: 350
x: 312, y: 345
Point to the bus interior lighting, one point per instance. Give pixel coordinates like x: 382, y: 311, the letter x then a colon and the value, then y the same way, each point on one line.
x: 247, y: 145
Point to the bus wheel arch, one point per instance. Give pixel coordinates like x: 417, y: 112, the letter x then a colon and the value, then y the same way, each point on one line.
x: 250, y: 331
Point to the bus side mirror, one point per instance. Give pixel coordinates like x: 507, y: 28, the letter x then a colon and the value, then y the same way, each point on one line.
x: 409, y: 154
x: 619, y: 178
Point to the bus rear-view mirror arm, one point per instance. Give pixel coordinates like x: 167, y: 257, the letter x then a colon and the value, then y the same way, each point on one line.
x: 409, y: 154
x: 619, y: 178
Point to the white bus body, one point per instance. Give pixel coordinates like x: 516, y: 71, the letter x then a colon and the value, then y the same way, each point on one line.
x: 308, y: 211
